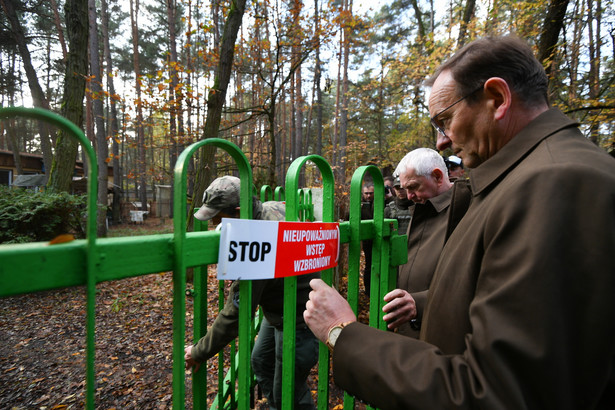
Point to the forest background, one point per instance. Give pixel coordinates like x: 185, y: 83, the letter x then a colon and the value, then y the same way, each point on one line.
x: 279, y: 78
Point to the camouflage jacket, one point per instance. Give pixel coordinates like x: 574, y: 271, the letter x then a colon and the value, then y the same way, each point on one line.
x: 400, y: 209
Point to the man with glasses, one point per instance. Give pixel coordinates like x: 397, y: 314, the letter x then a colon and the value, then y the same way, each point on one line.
x: 520, y: 312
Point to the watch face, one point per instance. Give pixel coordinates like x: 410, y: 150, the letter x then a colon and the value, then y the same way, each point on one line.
x: 334, y: 334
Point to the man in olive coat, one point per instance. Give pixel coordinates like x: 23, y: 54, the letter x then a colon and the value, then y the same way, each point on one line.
x: 423, y: 175
x: 521, y: 312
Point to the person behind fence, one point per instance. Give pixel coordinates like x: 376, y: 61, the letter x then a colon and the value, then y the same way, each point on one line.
x: 423, y: 174
x: 521, y: 312
x: 367, y: 212
x: 221, y: 200
x: 389, y: 194
x: 399, y: 208
x: 455, y: 168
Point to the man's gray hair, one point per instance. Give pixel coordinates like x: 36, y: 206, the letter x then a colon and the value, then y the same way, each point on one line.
x: 423, y: 161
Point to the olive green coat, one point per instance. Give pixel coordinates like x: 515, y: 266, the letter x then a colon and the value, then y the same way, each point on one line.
x: 521, y: 310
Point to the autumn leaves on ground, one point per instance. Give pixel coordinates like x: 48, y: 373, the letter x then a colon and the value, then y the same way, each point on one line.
x: 42, y: 347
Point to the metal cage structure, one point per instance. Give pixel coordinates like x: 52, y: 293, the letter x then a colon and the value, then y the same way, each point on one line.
x: 33, y: 267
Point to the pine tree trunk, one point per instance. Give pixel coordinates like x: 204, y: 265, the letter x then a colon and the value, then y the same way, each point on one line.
x: 38, y: 96
x: 317, y: 78
x: 174, y: 99
x: 344, y: 108
x: 102, y: 149
x: 63, y: 166
x: 553, y: 24
x: 468, y: 12
x: 112, y: 126
x: 215, y: 101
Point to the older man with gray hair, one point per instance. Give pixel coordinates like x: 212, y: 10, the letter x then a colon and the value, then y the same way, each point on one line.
x: 423, y: 174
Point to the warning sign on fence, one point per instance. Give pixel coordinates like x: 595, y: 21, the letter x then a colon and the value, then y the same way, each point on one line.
x: 253, y: 249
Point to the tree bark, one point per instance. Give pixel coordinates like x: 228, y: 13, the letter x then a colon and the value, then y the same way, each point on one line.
x: 317, y: 78
x: 174, y: 100
x: 76, y: 15
x: 112, y: 126
x: 298, y: 106
x: 551, y: 28
x: 102, y: 149
x: 344, y: 108
x: 38, y: 96
x: 58, y: 24
x: 419, y: 20
x: 215, y: 101
x: 468, y: 12
x: 141, y: 183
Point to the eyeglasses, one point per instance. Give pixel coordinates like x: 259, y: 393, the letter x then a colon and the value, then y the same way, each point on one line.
x: 434, y: 120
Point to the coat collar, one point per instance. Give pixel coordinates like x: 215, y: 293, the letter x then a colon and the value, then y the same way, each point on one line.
x: 442, y: 201
x: 546, y: 124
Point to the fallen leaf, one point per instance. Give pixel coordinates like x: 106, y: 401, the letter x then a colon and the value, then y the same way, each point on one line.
x: 65, y: 237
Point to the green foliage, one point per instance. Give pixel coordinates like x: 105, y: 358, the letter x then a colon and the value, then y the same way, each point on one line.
x: 27, y: 216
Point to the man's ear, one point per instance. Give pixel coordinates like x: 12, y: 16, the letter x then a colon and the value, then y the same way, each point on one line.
x: 499, y: 96
x: 438, y: 175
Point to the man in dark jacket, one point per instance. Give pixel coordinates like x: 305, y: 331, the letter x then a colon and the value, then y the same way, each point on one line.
x: 520, y: 312
x: 221, y: 199
x: 423, y: 174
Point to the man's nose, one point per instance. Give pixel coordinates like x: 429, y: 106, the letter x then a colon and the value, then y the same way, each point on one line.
x: 442, y: 141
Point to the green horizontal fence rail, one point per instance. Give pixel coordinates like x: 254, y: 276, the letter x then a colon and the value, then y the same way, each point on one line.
x: 32, y: 267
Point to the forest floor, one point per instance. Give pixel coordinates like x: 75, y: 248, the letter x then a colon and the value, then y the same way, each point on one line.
x: 42, y: 344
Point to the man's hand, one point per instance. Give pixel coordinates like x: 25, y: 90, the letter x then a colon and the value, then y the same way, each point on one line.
x: 401, y: 308
x: 325, y: 309
x: 190, y: 362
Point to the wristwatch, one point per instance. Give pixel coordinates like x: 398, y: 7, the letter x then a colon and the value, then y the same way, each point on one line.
x: 334, y: 334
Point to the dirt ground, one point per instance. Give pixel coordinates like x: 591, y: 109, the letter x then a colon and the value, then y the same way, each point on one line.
x: 42, y: 345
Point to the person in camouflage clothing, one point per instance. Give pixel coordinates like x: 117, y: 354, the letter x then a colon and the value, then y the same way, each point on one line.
x: 400, y: 208
x: 221, y: 200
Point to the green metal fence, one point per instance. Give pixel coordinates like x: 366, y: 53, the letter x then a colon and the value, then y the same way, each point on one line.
x: 26, y: 268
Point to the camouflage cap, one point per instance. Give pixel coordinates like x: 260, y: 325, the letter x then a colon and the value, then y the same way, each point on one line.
x: 221, y: 194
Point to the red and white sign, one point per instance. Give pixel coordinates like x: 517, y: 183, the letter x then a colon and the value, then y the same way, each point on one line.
x: 253, y: 249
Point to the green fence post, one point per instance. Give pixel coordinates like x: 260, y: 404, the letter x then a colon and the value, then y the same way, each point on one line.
x: 74, y: 131
x: 179, y: 272
x: 279, y: 194
x: 266, y: 193
x: 354, y: 248
x: 293, y: 208
x: 199, y: 306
